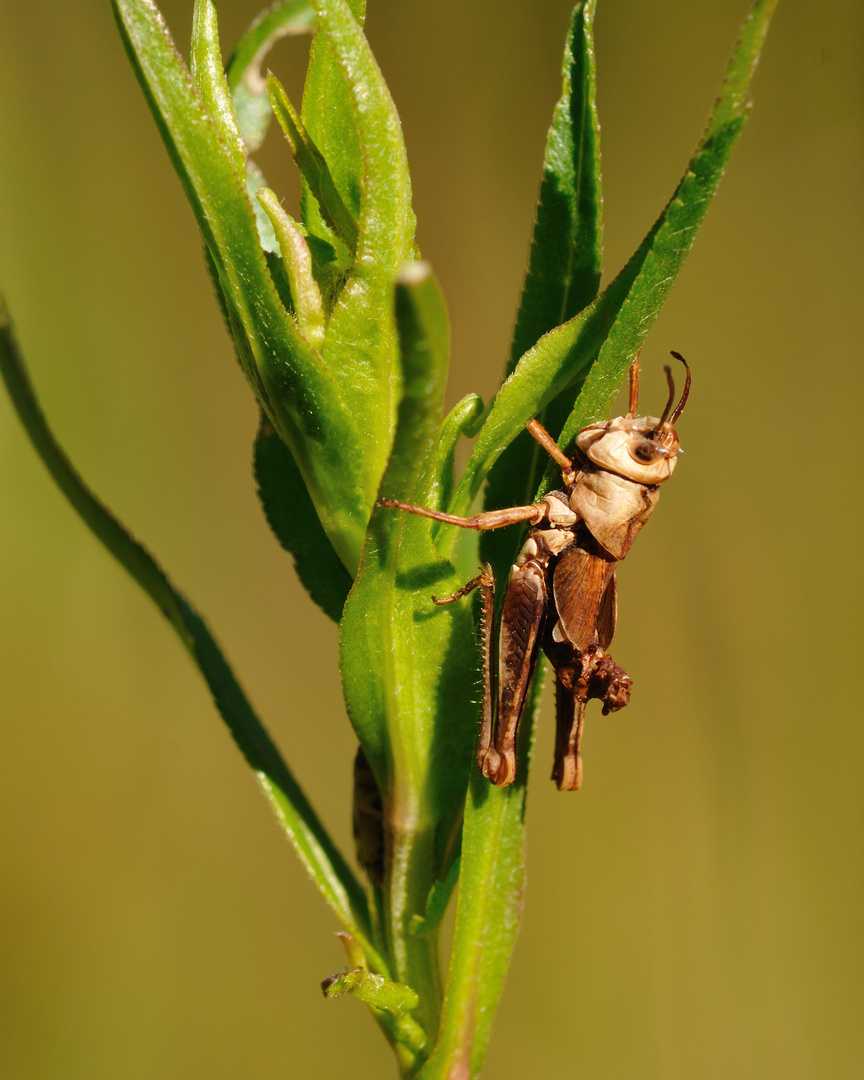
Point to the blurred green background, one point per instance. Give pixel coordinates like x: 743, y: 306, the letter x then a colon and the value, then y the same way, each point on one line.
x: 695, y: 912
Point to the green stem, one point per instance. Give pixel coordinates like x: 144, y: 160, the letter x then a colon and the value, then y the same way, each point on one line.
x: 414, y: 959
x: 488, y: 911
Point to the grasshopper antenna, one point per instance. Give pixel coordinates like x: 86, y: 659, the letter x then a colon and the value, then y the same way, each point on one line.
x: 668, y: 413
x: 679, y: 408
x: 671, y: 383
x: 634, y: 385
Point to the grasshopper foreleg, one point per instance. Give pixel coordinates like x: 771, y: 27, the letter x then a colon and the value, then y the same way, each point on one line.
x: 492, y: 519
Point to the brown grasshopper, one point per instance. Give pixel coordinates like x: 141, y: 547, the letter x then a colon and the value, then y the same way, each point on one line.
x: 561, y: 593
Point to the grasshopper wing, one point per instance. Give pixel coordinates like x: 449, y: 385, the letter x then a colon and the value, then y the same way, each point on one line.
x: 583, y: 584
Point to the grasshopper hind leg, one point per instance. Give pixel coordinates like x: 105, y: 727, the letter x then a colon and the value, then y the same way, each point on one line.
x: 488, y: 757
x: 570, y: 720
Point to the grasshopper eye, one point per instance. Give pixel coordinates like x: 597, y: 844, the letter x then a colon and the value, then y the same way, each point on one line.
x: 646, y: 450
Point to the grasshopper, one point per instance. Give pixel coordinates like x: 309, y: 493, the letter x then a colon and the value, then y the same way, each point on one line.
x: 561, y: 595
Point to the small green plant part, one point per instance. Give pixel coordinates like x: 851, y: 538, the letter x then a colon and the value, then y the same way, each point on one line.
x: 342, y: 334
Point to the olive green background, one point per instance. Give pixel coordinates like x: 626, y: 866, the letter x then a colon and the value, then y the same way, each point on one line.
x: 695, y: 912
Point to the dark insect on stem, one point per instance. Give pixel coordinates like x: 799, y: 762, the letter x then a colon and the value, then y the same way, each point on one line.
x: 561, y: 595
x: 368, y: 819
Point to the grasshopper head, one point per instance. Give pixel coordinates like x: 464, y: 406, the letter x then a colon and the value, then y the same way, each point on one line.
x: 643, y: 449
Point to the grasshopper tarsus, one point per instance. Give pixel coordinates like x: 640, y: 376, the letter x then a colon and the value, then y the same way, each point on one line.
x: 483, y: 580
x: 497, y: 767
x: 567, y: 769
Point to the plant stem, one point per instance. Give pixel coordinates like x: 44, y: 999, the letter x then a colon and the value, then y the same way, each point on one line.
x: 414, y: 959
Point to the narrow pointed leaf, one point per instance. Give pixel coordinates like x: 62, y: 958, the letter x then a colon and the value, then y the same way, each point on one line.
x: 328, y: 116
x: 463, y: 419
x: 564, y: 264
x: 297, y: 261
x: 317, y: 851
x: 208, y: 75
x: 384, y: 208
x: 436, y: 902
x: 313, y: 168
x: 248, y: 88
x: 563, y: 273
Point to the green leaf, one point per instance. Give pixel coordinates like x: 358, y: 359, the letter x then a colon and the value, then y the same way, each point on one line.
x: 383, y: 595
x: 295, y: 524
x: 298, y: 393
x: 463, y: 419
x: 375, y: 990
x: 361, y: 348
x: 384, y: 196
x: 488, y: 910
x: 313, y: 168
x: 555, y: 362
x: 317, y: 851
x: 329, y: 118
x: 564, y: 262
x: 392, y: 1004
x: 436, y: 902
x: 405, y: 663
x: 208, y: 75
x: 615, y: 325
x: 306, y: 299
x: 246, y: 82
x: 256, y: 182
x: 563, y: 268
